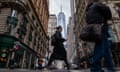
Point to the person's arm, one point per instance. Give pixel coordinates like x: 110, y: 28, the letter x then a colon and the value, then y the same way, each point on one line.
x: 59, y: 37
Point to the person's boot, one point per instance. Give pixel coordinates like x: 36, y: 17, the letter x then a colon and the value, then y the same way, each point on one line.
x: 102, y: 70
x: 68, y: 67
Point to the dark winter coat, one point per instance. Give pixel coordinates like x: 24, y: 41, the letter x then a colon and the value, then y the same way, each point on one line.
x: 59, y: 50
x: 98, y: 13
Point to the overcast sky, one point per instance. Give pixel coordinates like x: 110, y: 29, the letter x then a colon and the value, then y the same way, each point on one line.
x: 55, y: 7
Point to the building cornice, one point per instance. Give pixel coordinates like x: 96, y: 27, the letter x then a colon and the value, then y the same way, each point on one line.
x: 18, y: 5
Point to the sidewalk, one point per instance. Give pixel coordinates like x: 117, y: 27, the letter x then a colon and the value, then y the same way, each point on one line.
x: 117, y: 68
x: 54, y: 70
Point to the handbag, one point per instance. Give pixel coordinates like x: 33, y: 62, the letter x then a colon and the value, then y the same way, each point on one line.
x: 91, y: 33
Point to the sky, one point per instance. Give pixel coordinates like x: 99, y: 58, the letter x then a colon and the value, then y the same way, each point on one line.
x: 55, y: 7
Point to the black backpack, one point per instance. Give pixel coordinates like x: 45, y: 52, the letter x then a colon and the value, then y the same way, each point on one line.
x: 53, y: 40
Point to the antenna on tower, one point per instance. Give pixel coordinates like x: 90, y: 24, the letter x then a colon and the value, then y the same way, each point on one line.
x: 61, y: 8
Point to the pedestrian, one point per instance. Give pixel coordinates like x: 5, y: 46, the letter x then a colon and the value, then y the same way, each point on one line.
x: 98, y: 13
x: 59, y: 51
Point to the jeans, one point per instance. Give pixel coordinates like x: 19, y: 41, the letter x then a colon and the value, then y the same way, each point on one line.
x: 102, y: 49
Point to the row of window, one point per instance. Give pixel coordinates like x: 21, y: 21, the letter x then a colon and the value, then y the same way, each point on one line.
x: 40, y: 9
x: 37, y: 25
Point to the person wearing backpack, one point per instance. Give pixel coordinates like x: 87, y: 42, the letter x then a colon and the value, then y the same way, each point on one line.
x: 59, y: 51
x: 98, y: 13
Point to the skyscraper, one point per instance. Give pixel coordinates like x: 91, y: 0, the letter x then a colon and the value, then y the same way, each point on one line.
x: 61, y: 21
x: 71, y: 50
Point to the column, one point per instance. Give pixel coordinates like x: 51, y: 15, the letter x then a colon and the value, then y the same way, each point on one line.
x: 23, y: 61
x: 30, y: 61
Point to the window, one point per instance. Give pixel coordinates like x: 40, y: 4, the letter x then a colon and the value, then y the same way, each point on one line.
x: 28, y: 8
x: 37, y: 24
x: 34, y: 41
x: 38, y: 38
x: 24, y: 22
x: 14, y: 13
x: 33, y: 18
x: 0, y: 11
x: 23, y: 25
x: 118, y: 12
x: 30, y: 34
x: 20, y: 34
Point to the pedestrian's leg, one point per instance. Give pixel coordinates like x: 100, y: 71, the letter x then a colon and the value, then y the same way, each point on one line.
x: 96, y: 61
x: 108, y: 56
x: 51, y: 59
x: 97, y: 56
x: 67, y: 64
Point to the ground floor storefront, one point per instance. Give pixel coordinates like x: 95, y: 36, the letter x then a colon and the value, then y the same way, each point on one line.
x: 14, y: 53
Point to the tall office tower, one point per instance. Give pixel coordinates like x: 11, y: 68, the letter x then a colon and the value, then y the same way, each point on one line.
x: 61, y: 21
x: 71, y: 50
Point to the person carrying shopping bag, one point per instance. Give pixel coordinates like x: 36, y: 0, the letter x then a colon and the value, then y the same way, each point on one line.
x: 98, y: 13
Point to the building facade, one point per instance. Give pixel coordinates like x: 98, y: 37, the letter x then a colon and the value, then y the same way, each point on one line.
x: 41, y: 8
x: 52, y: 24
x: 79, y: 20
x: 115, y: 8
x: 23, y: 31
x: 71, y: 50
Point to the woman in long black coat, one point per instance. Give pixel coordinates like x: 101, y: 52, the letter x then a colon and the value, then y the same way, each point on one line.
x: 59, y: 51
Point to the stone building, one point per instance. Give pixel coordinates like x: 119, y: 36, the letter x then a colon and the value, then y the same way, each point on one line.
x: 23, y: 31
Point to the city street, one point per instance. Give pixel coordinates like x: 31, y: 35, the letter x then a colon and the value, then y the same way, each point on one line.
x: 27, y: 70
x: 24, y: 70
x: 55, y: 35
